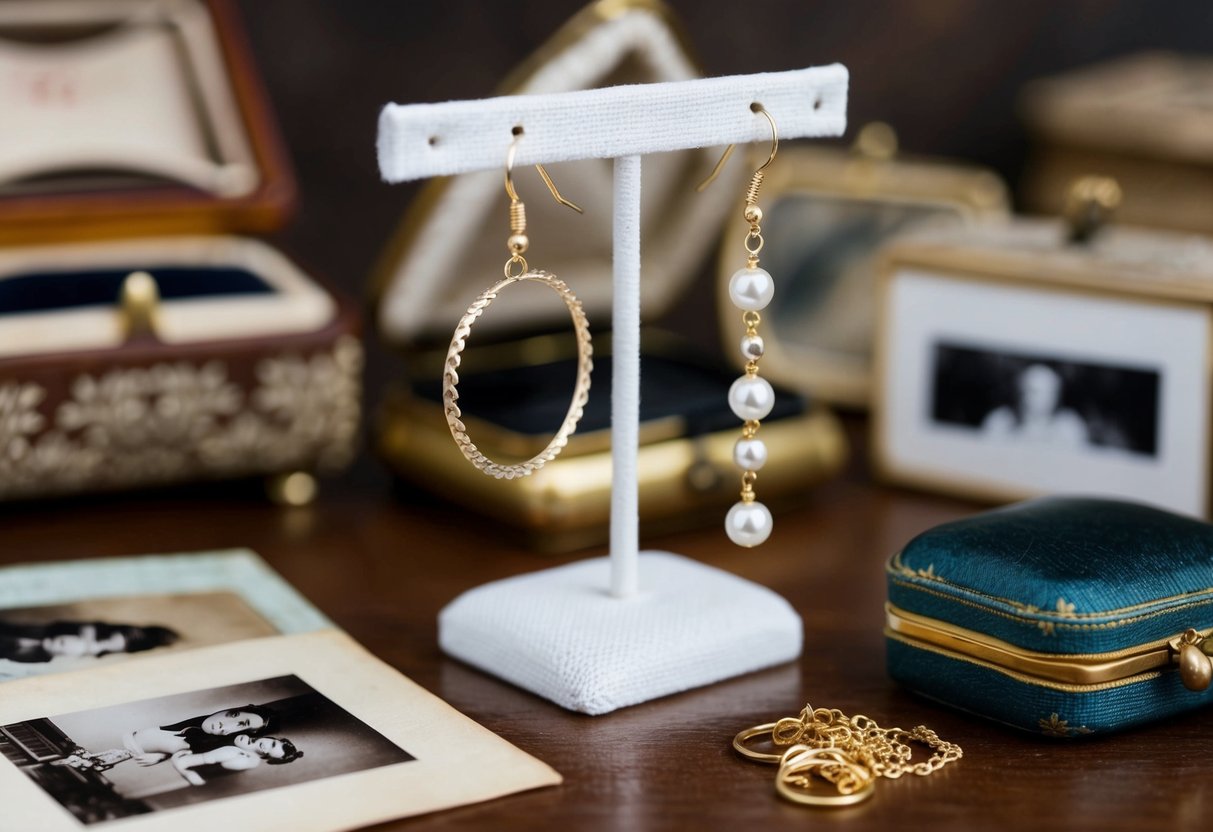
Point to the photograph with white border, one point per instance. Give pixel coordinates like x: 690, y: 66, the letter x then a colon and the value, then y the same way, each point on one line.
x: 367, y: 745
x: 152, y: 755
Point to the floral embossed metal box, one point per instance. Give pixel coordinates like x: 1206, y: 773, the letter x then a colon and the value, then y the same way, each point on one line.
x: 1065, y: 616
x: 129, y: 360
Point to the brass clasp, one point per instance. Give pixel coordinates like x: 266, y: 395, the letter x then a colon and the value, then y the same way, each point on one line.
x: 140, y: 306
x: 1090, y: 203
x: 1195, y: 666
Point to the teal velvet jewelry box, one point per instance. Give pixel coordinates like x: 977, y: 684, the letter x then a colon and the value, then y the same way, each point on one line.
x: 1063, y: 616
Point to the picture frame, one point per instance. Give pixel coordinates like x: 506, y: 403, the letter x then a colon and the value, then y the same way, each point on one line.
x: 1012, y: 365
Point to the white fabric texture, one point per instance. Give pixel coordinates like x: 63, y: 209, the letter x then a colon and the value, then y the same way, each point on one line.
x: 625, y: 380
x: 559, y: 634
x: 418, y: 141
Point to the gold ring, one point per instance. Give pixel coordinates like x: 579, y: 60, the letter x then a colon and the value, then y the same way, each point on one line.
x: 749, y: 733
x: 852, y: 782
x: 581, y: 393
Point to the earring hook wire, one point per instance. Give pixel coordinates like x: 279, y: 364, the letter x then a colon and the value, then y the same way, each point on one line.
x: 547, y: 178
x: 728, y: 151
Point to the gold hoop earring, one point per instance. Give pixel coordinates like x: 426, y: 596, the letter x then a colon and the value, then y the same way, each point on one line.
x: 516, y: 270
x: 751, y: 397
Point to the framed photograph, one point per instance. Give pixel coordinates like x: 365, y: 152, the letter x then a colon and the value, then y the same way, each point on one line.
x: 1003, y: 390
x: 78, y: 615
x: 308, y: 732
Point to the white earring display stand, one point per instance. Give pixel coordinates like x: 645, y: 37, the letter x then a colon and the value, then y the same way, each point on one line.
x: 605, y: 633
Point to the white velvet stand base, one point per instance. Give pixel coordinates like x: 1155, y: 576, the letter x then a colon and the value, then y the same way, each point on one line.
x: 559, y: 633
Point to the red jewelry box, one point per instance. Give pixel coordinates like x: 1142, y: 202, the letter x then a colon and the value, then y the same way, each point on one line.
x: 141, y: 340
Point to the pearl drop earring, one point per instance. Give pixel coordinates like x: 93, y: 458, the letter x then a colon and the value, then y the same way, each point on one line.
x: 751, y: 397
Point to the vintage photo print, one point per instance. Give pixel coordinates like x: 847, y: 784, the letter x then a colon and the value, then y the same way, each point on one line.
x: 1011, y: 390
x: 152, y: 755
x: 308, y: 733
x: 1015, y: 397
x: 72, y: 616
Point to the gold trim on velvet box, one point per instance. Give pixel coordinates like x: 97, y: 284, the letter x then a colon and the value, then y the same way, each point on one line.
x: 1067, y: 669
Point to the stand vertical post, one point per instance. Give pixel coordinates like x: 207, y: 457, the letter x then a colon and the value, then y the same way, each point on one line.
x: 625, y: 381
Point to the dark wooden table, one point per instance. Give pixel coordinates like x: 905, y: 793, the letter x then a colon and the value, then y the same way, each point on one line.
x: 381, y: 566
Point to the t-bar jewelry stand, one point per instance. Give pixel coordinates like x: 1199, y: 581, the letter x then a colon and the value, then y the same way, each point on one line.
x: 599, y: 634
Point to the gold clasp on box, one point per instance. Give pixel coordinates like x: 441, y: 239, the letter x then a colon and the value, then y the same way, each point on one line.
x: 1195, y: 666
x: 140, y: 306
x: 1090, y: 203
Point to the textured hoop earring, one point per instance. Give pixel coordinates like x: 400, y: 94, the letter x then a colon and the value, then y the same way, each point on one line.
x: 751, y: 397
x: 516, y: 270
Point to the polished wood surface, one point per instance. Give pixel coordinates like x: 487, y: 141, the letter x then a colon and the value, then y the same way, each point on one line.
x: 381, y: 565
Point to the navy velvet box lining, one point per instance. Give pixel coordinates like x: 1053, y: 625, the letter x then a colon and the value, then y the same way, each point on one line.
x: 52, y: 291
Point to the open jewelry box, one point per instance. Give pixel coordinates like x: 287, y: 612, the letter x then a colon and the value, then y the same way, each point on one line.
x: 142, y: 341
x: 518, y: 371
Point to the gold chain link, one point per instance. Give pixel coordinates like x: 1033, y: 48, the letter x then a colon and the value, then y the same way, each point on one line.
x: 884, y: 751
x: 861, y: 751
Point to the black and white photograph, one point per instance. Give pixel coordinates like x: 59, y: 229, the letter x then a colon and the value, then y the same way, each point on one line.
x: 72, y: 636
x: 159, y: 754
x: 1034, y: 399
x: 1009, y: 390
x: 79, y: 615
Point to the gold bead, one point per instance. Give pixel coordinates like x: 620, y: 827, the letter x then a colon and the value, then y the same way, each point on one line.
x: 518, y: 243
x: 753, y: 214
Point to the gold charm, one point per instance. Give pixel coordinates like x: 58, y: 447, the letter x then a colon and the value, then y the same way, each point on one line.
x: 803, y: 769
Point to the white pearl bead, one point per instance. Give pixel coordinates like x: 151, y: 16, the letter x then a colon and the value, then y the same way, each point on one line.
x: 751, y: 289
x: 748, y: 524
x: 750, y: 454
x: 752, y: 347
x: 751, y: 398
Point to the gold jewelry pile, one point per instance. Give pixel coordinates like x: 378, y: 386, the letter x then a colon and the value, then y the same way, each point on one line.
x: 845, y: 753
